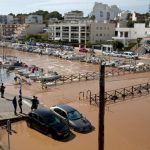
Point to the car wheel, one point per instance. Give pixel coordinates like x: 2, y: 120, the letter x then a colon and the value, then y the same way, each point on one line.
x: 29, y: 125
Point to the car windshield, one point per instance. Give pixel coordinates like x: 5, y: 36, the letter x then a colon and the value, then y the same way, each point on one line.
x: 52, y: 120
x: 74, y: 115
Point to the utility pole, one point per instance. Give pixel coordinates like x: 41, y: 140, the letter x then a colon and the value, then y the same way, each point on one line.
x: 101, y: 106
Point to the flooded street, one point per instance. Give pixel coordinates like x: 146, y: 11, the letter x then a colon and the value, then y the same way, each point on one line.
x: 52, y: 63
x: 126, y: 123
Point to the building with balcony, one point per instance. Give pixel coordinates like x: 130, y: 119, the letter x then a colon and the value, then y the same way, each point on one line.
x: 101, y: 31
x: 7, y: 30
x: 126, y: 35
x: 76, y: 32
x: 34, y: 19
x: 104, y: 12
x: 73, y: 15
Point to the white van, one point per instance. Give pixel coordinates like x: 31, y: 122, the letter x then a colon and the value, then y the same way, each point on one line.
x: 131, y: 55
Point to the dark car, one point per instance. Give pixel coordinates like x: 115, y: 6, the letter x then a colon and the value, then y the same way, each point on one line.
x: 75, y: 120
x: 47, y: 122
x: 83, y: 50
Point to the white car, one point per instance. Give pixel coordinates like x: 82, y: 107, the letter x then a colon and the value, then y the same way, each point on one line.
x: 130, y: 55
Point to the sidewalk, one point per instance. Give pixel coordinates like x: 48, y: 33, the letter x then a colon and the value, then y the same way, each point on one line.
x: 7, y: 109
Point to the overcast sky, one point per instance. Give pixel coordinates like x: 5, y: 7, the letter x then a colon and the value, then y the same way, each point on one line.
x: 62, y: 6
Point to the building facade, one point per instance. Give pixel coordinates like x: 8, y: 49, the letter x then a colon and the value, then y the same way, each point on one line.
x: 6, y: 19
x: 126, y: 35
x: 7, y: 30
x: 26, y: 29
x: 34, y: 19
x: 101, y: 31
x: 104, y: 12
x: 78, y: 32
x: 73, y: 16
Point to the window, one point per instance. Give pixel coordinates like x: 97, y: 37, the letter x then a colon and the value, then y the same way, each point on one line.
x: 60, y: 112
x: 121, y: 34
x: 108, y: 15
x: 100, y: 34
x: 101, y: 14
x: 96, y: 28
x: 126, y: 34
x: 96, y: 34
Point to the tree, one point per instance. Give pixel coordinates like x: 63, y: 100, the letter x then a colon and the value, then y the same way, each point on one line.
x: 55, y: 14
x: 92, y: 17
x: 12, y: 14
x: 117, y: 45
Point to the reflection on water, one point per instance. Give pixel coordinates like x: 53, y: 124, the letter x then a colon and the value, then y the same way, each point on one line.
x: 6, y: 76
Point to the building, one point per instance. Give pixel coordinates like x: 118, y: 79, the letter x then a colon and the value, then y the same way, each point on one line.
x: 20, y: 19
x: 123, y: 15
x: 6, y: 19
x: 7, y: 30
x: 34, y: 19
x: 26, y: 29
x: 126, y: 35
x: 75, y: 31
x: 104, y: 12
x: 101, y: 31
x: 73, y: 16
x: 139, y: 17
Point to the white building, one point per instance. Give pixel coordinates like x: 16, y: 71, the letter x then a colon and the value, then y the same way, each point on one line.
x: 69, y: 31
x: 6, y: 19
x: 73, y: 15
x: 34, y: 19
x: 126, y: 35
x: 104, y: 12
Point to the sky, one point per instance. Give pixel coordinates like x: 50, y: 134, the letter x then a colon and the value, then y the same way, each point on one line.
x: 63, y: 6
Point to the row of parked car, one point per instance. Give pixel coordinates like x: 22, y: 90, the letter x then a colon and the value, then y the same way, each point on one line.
x: 58, y: 120
x: 128, y: 54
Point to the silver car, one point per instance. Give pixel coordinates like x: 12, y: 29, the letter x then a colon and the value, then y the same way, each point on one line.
x: 74, y: 118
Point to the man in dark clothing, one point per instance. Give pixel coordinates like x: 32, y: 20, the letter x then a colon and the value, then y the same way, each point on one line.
x: 15, y: 105
x: 20, y: 103
x: 2, y: 89
x: 35, y: 103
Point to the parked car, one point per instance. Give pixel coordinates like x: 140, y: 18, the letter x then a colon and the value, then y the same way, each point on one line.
x: 131, y: 55
x: 74, y: 118
x: 83, y: 50
x: 47, y: 122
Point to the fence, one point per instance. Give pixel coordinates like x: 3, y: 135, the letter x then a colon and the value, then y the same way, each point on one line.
x: 118, y: 94
x: 93, y: 76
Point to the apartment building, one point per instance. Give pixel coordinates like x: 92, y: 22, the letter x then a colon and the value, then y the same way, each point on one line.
x: 126, y: 35
x: 6, y: 19
x: 34, y: 19
x: 104, y: 12
x: 73, y: 15
x: 101, y: 31
x: 7, y: 30
x: 75, y: 31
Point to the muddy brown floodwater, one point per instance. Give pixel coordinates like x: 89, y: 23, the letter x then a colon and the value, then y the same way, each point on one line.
x: 126, y: 123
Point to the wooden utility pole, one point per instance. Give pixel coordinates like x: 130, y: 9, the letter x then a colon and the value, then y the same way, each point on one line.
x: 101, y: 106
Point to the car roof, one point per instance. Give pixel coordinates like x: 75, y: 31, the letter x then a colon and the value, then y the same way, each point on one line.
x: 42, y: 111
x: 65, y: 107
